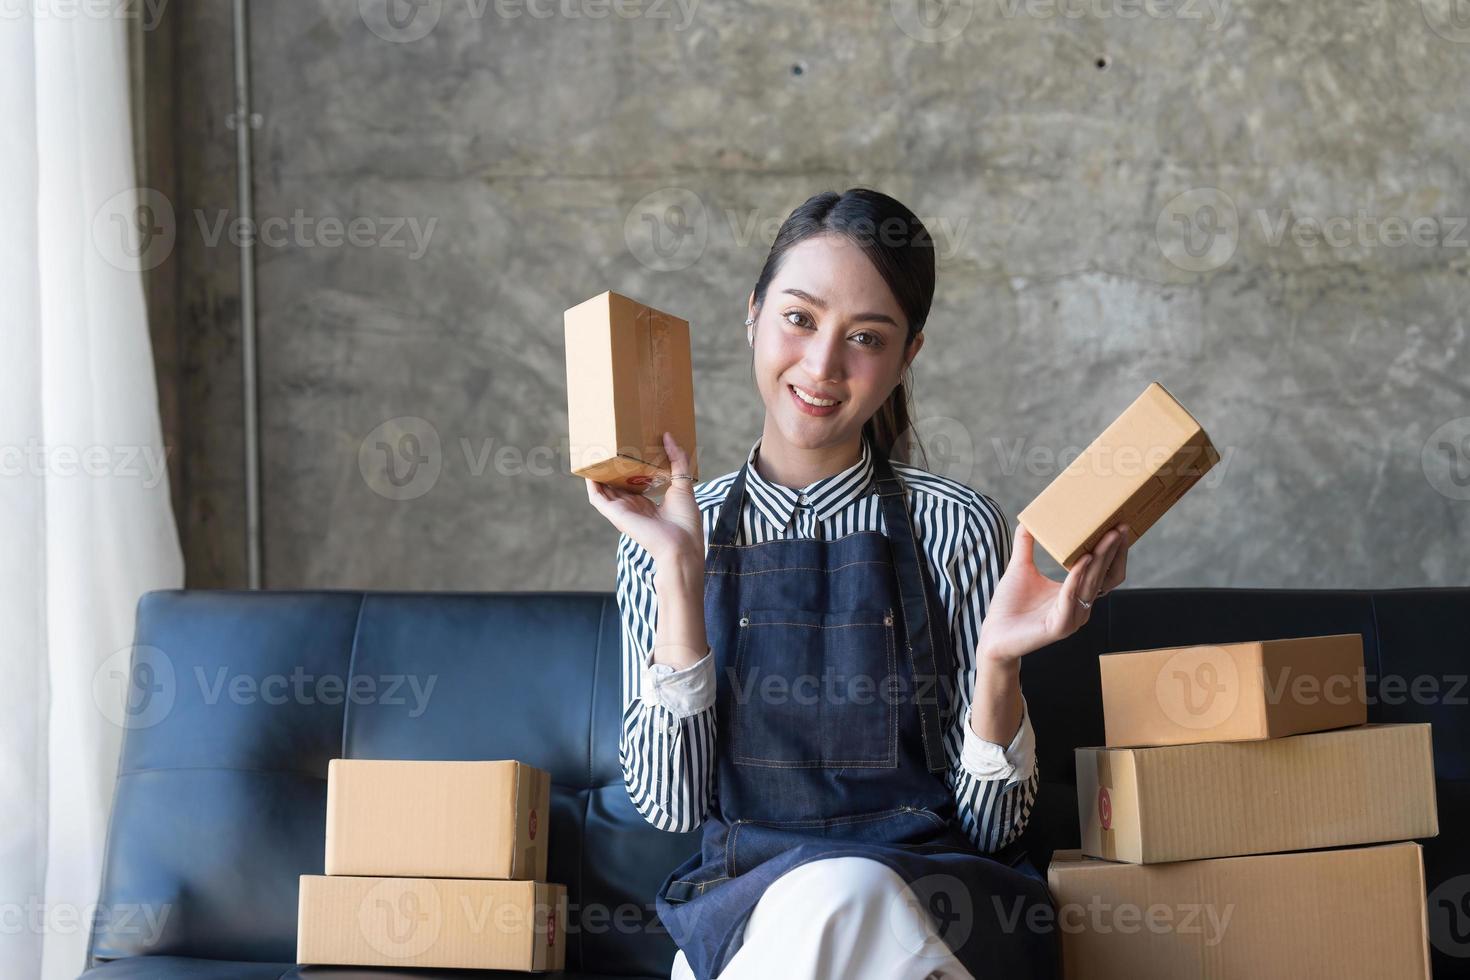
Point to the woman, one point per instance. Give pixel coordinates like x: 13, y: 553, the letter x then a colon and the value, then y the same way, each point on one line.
x: 805, y: 672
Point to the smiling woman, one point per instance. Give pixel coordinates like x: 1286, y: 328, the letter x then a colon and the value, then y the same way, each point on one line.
x: 805, y: 674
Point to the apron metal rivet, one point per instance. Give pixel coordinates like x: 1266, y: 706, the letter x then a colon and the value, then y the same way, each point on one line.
x: 744, y: 620
x: 888, y: 620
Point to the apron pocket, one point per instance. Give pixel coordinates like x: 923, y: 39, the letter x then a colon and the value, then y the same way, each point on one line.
x: 814, y: 689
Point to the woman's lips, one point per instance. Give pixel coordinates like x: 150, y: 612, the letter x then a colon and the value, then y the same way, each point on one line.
x: 809, y: 409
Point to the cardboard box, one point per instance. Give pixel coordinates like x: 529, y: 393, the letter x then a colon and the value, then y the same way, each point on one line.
x: 437, y: 819
x: 1346, y: 913
x: 629, y: 378
x: 432, y: 922
x: 1215, y: 799
x: 1135, y: 471
x: 1233, y: 691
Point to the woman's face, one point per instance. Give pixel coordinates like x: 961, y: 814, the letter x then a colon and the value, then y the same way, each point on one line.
x: 831, y: 327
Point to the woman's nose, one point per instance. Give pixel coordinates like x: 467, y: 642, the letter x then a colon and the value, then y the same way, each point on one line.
x: 823, y: 359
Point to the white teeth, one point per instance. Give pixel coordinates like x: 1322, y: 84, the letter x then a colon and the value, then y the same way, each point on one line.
x: 819, y: 402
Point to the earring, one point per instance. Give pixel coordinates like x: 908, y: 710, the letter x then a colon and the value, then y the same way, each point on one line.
x: 749, y: 337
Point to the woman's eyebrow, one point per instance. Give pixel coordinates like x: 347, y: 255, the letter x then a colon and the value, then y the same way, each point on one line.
x: 821, y: 304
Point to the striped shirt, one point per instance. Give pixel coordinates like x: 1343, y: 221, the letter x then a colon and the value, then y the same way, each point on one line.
x: 667, y: 741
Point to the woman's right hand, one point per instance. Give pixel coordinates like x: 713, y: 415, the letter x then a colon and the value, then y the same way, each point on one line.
x: 670, y: 532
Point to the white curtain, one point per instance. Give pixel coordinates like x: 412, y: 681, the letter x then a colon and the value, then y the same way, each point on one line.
x: 85, y: 521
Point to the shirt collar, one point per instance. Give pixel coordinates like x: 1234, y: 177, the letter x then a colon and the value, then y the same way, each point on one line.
x: 826, y: 496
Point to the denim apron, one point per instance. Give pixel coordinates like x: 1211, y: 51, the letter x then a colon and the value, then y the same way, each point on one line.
x: 834, y: 673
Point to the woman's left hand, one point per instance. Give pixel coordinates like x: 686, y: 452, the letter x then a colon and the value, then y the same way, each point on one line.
x: 1029, y: 611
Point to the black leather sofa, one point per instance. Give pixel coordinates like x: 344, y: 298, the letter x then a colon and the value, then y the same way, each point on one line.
x: 241, y: 698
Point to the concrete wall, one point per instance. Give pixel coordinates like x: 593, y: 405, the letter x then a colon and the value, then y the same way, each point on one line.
x: 1212, y: 194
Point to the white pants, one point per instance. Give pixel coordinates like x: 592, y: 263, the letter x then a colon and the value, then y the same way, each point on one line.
x: 845, y: 917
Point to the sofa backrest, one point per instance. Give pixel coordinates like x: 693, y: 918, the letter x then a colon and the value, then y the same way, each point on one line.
x: 238, y: 701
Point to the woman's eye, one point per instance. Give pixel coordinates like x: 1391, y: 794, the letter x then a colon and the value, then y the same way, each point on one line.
x: 873, y: 340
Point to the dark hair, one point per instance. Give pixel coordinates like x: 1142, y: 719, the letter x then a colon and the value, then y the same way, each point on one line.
x: 899, y: 246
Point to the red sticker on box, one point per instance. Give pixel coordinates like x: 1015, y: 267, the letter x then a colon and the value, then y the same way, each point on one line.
x: 639, y: 481
x: 551, y: 927
x: 1104, y: 808
x: 533, y: 823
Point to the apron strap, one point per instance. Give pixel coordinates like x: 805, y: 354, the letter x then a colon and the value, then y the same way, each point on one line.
x: 931, y: 659
x: 728, y: 522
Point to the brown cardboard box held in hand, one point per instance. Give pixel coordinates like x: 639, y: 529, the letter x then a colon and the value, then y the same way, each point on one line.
x: 629, y: 379
x: 1131, y: 474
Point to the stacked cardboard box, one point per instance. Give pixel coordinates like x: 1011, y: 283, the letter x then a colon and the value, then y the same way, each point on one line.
x: 434, y: 864
x: 1221, y: 823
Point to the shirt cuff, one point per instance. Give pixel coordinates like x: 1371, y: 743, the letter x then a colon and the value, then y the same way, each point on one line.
x: 686, y: 691
x: 985, y: 759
